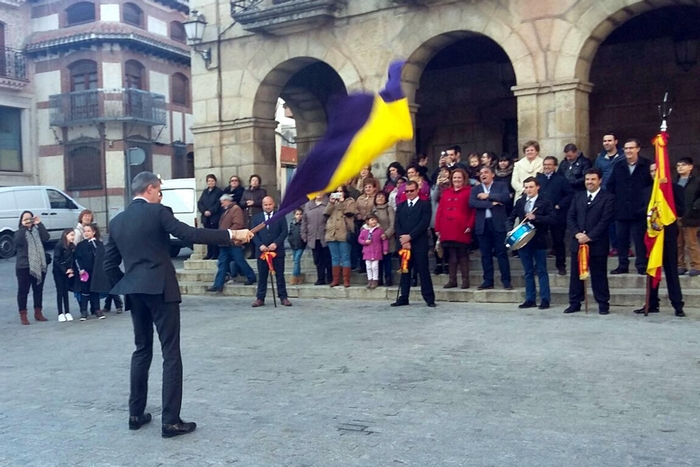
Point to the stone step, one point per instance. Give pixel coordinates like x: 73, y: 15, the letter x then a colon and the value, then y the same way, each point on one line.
x: 626, y: 297
x: 622, y: 281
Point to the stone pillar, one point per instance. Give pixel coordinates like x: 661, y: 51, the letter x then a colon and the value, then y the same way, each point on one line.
x: 554, y: 114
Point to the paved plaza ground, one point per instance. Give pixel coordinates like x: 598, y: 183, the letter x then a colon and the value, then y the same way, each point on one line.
x: 338, y: 383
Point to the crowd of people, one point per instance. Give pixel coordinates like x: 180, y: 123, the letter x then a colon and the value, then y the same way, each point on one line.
x: 469, y: 206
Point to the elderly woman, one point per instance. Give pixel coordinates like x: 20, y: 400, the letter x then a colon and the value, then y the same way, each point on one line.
x: 454, y: 224
x: 31, y: 264
x: 210, y: 208
x: 313, y: 232
x: 251, y: 203
x: 528, y: 166
x: 341, y: 212
x: 86, y: 217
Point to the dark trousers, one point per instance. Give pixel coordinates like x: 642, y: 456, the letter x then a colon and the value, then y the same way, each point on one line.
x: 62, y: 293
x: 264, y: 272
x: 118, y: 303
x: 492, y: 243
x: 239, y: 265
x: 670, y: 265
x: 385, y: 267
x: 322, y: 260
x: 147, y: 310
x: 24, y: 282
x: 535, y: 262
x: 636, y: 229
x: 212, y: 250
x: 93, y: 298
x: 598, y: 268
x: 558, y: 232
x: 419, y: 263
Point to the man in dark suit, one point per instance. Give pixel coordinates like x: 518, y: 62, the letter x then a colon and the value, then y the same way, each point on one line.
x: 554, y: 186
x: 140, y: 236
x: 627, y: 181
x: 589, y: 217
x: 537, y: 210
x: 670, y: 252
x: 412, y: 222
x: 271, y: 238
x: 489, y: 200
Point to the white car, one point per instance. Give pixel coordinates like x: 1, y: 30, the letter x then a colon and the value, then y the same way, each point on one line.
x: 180, y: 195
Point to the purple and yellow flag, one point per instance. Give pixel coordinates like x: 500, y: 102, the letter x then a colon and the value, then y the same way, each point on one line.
x: 360, y: 128
x: 661, y: 211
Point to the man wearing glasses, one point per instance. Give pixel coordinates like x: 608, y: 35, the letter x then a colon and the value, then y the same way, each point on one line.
x: 627, y: 182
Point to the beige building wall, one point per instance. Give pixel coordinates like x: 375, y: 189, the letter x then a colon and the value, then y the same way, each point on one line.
x: 550, y: 44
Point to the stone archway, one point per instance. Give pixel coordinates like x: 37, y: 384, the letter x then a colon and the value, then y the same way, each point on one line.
x: 307, y: 86
x: 462, y: 95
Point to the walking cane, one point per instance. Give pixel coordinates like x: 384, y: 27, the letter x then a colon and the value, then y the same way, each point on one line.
x: 268, y: 256
x: 583, y: 271
x: 405, y: 255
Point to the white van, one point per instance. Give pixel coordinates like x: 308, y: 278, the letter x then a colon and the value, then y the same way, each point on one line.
x: 57, y: 211
x: 180, y: 195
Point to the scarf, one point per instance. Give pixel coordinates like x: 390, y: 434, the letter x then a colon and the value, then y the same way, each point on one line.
x: 504, y: 173
x: 35, y: 254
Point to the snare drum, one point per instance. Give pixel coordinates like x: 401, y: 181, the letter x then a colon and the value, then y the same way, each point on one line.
x: 519, y: 236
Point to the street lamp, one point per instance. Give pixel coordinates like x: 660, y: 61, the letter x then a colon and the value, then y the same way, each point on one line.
x: 194, y: 30
x: 686, y: 50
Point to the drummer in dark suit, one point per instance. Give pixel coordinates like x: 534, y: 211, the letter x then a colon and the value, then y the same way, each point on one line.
x: 589, y: 217
x: 140, y: 236
x: 538, y: 211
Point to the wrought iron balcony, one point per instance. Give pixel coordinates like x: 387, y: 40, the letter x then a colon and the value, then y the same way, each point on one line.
x: 13, y: 71
x: 102, y: 105
x: 285, y: 16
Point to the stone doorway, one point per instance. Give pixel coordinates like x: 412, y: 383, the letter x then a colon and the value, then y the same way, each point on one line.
x: 634, y: 66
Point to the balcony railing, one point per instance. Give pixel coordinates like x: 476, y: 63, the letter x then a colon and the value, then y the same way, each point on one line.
x: 102, y: 105
x: 287, y: 16
x: 12, y: 64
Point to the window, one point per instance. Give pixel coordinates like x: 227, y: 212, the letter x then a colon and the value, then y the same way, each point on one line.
x: 133, y: 74
x: 177, y: 32
x: 84, y: 168
x: 10, y: 140
x: 58, y: 200
x: 83, y: 12
x: 83, y: 75
x: 180, y: 89
x: 133, y: 15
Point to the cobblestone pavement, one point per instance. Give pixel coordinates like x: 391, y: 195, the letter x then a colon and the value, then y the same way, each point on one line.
x: 339, y: 383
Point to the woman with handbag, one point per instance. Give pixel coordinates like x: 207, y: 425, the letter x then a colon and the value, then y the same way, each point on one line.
x: 31, y: 264
x: 340, y: 226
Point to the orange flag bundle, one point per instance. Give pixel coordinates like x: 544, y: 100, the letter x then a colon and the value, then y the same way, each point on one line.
x: 268, y: 256
x: 583, y: 253
x: 405, y: 258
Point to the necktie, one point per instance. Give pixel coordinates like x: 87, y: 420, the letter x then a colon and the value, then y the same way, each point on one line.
x: 528, y: 206
x: 410, y: 204
x: 268, y: 215
x: 590, y: 199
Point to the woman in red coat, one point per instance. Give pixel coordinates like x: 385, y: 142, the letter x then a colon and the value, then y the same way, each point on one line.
x: 454, y: 224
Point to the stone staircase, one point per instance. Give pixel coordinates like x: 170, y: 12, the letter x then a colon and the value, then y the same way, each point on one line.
x: 625, y: 290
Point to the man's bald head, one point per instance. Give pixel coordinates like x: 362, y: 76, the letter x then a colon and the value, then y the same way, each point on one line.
x: 268, y: 204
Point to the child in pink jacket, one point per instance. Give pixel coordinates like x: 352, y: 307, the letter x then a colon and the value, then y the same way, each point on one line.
x: 373, y: 249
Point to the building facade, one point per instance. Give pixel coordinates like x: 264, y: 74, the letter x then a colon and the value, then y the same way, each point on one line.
x: 110, y: 96
x: 487, y: 75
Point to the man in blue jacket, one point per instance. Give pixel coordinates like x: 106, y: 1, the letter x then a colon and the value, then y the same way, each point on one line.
x: 270, y: 238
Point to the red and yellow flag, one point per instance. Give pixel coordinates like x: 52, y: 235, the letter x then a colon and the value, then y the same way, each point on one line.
x: 662, y: 209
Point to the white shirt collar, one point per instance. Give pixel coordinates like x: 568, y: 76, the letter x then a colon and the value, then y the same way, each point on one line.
x: 594, y: 194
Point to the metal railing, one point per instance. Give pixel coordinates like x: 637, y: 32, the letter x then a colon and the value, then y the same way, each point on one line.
x: 101, y: 105
x: 12, y: 64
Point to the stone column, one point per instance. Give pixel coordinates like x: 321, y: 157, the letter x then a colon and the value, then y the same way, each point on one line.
x: 554, y: 114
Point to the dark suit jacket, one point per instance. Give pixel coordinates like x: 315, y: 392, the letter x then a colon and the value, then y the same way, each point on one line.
x: 592, y: 220
x: 559, y: 191
x: 629, y: 202
x: 414, y: 222
x: 500, y: 193
x: 141, y: 237
x: 544, y: 216
x: 275, y: 233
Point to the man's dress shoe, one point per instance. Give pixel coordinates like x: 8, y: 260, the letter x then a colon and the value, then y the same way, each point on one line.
x: 137, y: 422
x: 177, y: 429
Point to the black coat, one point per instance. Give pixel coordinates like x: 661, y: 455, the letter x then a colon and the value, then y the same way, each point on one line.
x: 559, y: 191
x: 237, y: 193
x: 592, y: 220
x: 414, y: 222
x: 63, y: 260
x: 544, y: 216
x: 91, y: 259
x: 295, y: 240
x: 210, y: 201
x: 575, y: 171
x: 256, y: 196
x: 22, y: 261
x: 275, y: 233
x: 628, y: 188
x: 140, y: 236
x: 499, y: 193
x: 691, y: 202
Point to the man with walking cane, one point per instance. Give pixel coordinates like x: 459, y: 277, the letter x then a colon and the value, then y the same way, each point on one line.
x: 270, y: 239
x: 590, y: 215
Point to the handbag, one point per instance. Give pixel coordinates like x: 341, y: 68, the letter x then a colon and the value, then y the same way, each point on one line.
x: 48, y: 258
x: 84, y: 276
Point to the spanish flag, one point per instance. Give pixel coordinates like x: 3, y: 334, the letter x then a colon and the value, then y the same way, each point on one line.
x: 661, y: 211
x: 360, y: 128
